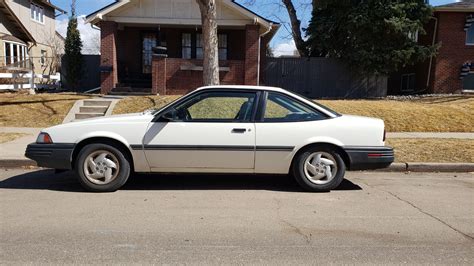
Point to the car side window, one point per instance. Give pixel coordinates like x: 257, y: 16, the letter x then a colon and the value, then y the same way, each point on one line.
x: 281, y: 108
x: 218, y: 107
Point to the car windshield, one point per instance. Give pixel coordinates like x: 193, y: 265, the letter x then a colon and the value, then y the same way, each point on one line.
x: 318, y: 104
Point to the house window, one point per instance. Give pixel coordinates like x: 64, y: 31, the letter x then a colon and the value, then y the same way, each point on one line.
x: 199, y: 51
x: 408, y: 82
x: 15, y: 52
x: 222, y: 46
x: 468, y: 82
x: 43, y: 57
x: 36, y: 13
x: 470, y: 35
x: 186, y: 46
x: 8, y: 54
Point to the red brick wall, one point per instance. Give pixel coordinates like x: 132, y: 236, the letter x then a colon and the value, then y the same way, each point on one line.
x: 108, y: 55
x: 251, y: 54
x: 179, y: 81
x: 453, y: 52
x: 124, y: 45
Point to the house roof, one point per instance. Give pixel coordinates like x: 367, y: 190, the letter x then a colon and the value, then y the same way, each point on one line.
x: 242, y: 9
x: 24, y: 34
x: 464, y: 6
x: 48, y: 3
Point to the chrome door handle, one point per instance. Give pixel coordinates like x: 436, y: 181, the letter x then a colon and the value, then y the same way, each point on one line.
x: 239, y: 130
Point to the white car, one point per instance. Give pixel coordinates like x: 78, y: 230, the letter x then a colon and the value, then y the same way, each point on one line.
x: 219, y: 129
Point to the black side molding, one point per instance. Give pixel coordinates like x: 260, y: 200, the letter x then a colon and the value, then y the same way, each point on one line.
x: 211, y: 148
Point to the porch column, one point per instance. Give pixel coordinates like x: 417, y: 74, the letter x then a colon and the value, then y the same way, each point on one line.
x: 251, y: 54
x: 158, y: 74
x: 108, y: 56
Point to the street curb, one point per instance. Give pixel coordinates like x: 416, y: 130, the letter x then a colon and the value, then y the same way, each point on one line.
x: 429, y: 167
x: 394, y: 167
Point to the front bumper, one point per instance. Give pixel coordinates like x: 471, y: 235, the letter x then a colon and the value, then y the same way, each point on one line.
x: 369, y: 158
x: 56, y: 155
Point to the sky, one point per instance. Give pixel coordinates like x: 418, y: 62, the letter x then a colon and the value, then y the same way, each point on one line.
x: 282, y: 43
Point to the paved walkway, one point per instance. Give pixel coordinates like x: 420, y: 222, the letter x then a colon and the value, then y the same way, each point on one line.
x: 15, y: 149
x: 430, y: 135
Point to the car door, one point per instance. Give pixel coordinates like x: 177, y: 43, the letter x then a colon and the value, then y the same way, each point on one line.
x: 281, y: 127
x: 210, y: 131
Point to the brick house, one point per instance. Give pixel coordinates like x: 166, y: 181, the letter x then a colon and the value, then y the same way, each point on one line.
x: 130, y: 29
x: 452, y: 69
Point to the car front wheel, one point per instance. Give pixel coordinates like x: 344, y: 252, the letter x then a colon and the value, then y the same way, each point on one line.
x: 102, y: 168
x: 319, y: 169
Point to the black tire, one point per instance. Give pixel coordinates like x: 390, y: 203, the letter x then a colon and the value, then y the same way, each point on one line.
x: 305, y: 183
x: 121, y: 177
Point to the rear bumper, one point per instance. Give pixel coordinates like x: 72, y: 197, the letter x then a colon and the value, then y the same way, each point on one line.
x: 367, y: 158
x: 57, y: 155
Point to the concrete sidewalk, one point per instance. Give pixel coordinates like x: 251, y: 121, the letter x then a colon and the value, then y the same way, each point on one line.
x: 15, y: 150
x: 430, y: 135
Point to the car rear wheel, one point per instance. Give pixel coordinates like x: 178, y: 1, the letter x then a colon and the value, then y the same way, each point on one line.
x: 102, y: 168
x: 319, y: 169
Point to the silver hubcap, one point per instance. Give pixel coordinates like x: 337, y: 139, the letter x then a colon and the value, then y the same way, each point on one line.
x: 320, y: 168
x: 101, y: 167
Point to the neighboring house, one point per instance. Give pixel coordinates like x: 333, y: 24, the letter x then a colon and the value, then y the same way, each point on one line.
x: 28, y: 37
x: 130, y: 29
x: 452, y: 69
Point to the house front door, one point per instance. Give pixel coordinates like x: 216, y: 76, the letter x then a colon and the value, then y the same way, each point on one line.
x: 149, y: 41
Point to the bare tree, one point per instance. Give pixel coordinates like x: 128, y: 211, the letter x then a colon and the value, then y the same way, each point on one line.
x: 53, y: 61
x: 295, y: 29
x: 208, y: 10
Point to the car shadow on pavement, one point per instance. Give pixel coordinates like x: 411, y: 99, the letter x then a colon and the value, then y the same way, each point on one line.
x: 46, y: 179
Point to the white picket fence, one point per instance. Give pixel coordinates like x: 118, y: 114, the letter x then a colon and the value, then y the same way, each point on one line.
x: 18, y: 86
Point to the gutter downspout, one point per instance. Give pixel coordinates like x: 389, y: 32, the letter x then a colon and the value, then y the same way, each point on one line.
x: 431, y: 58
x: 259, y: 53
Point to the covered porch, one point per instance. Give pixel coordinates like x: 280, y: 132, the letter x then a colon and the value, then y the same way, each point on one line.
x: 128, y: 63
x: 130, y: 29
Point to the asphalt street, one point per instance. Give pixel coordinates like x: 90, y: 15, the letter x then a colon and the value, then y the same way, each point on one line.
x: 374, y: 217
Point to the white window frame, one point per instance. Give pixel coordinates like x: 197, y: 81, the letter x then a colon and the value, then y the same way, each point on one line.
x: 467, y: 35
x: 36, y: 13
x: 19, y: 47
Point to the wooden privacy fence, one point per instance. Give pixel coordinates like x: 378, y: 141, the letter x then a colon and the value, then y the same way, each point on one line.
x: 319, y: 77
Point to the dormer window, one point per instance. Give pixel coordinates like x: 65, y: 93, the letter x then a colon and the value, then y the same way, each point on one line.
x: 37, y: 13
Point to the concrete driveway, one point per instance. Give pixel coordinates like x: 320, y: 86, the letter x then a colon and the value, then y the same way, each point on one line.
x: 389, y: 218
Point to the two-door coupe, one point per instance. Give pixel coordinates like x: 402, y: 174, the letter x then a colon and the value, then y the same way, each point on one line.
x: 220, y: 129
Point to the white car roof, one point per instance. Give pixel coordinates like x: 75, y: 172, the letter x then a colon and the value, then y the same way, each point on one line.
x: 243, y: 87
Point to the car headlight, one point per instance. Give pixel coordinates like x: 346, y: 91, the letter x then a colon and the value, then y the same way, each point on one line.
x: 44, y: 138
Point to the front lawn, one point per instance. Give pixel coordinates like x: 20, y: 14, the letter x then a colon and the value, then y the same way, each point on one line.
x: 433, y: 150
x: 40, y: 110
x: 432, y: 114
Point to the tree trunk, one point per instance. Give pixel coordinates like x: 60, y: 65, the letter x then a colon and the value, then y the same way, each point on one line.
x: 209, y: 41
x: 296, y: 28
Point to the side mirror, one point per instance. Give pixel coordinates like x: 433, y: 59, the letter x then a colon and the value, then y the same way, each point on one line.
x: 169, y: 116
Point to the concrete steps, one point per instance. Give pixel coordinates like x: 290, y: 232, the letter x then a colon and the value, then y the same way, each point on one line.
x: 92, y: 108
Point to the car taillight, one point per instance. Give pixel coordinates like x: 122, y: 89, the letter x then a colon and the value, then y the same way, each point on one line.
x: 44, y: 138
x: 384, y: 134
